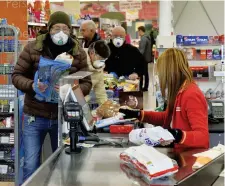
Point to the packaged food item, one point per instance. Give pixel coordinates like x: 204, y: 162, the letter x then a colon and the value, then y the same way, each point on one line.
x: 216, y: 39
x: 203, y: 54
x: 121, y: 129
x: 198, y: 54
x: 217, y: 54
x: 209, y: 54
x: 211, y: 39
x: 207, y: 156
x: 108, y: 109
x: 149, y: 162
x: 190, y: 53
x: 150, y: 136
x: 221, y: 39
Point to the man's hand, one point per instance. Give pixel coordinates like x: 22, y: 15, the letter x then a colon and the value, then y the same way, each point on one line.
x: 41, y: 86
x: 56, y: 88
x: 133, y: 76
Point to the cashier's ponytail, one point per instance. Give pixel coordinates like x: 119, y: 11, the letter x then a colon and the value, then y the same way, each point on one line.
x: 174, y: 74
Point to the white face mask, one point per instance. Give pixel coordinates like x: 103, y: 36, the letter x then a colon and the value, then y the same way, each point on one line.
x: 118, y: 42
x: 99, y: 64
x: 60, y: 38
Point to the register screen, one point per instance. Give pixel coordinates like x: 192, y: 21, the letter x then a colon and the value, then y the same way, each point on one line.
x: 85, y: 107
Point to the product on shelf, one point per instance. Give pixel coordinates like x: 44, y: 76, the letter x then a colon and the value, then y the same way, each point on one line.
x: 209, y: 54
x: 203, y: 54
x: 217, y: 54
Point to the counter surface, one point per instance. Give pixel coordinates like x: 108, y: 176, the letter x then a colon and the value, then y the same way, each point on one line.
x: 101, y: 167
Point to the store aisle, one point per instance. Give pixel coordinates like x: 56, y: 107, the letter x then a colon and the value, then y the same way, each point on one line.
x: 149, y: 97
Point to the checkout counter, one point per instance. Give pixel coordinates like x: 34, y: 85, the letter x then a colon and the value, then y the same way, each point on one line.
x: 101, y: 166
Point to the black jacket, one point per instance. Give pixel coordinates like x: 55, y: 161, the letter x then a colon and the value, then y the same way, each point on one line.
x: 86, y: 43
x: 125, y: 60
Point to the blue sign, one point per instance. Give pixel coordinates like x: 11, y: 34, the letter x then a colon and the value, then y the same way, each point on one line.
x: 201, y: 40
x: 189, y: 40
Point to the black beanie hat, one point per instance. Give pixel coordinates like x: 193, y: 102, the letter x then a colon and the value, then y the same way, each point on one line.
x: 59, y: 17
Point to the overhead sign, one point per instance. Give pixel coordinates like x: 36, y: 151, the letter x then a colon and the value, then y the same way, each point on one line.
x: 130, y: 5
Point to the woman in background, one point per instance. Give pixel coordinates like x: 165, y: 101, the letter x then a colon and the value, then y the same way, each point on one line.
x: 127, y: 37
x: 186, y: 116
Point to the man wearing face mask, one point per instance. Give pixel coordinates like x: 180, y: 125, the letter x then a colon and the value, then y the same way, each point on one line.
x: 125, y: 59
x: 41, y: 117
x: 98, y: 53
x: 88, y: 31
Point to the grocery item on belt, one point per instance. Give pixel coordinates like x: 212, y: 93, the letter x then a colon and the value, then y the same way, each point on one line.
x: 150, y: 136
x: 146, y: 161
x: 207, y: 156
x: 108, y: 109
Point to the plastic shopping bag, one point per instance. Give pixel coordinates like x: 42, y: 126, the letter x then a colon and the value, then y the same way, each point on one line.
x: 49, y: 72
x: 150, y: 136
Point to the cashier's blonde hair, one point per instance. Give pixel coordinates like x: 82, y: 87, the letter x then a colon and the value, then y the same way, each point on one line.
x: 174, y: 73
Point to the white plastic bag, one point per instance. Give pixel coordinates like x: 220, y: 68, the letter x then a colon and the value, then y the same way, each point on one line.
x: 64, y: 57
x: 150, y: 136
x: 149, y: 162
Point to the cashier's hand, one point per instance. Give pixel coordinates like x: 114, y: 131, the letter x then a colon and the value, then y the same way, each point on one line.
x: 177, y: 134
x: 133, y: 76
x: 130, y: 113
x: 166, y: 143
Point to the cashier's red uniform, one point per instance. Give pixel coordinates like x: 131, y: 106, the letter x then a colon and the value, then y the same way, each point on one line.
x: 190, y: 115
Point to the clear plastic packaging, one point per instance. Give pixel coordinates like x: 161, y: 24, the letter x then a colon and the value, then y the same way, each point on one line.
x: 147, y: 163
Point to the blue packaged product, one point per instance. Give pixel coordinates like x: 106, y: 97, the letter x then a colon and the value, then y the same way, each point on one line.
x: 9, y: 45
x: 217, y: 54
x: 189, y: 40
x: 179, y: 39
x: 1, y: 46
x: 201, y: 40
x: 6, y: 44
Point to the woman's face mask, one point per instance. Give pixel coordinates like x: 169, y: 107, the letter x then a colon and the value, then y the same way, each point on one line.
x: 118, y: 42
x: 98, y: 64
x: 95, y: 61
x: 60, y: 38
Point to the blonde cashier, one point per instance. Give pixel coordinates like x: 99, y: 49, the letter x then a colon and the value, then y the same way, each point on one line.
x: 186, y: 115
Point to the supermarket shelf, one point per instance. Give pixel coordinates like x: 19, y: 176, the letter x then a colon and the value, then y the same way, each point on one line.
x: 2, y: 114
x: 7, y: 98
x: 219, y: 73
x: 6, y: 177
x: 6, y: 129
x: 7, y: 160
x: 7, y: 52
x: 35, y: 24
x: 203, y: 62
x: 6, y: 144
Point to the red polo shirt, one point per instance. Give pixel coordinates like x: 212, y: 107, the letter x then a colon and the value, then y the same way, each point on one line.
x: 190, y: 115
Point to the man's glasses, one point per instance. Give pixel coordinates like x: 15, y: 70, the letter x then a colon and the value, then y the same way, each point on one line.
x: 57, y: 30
